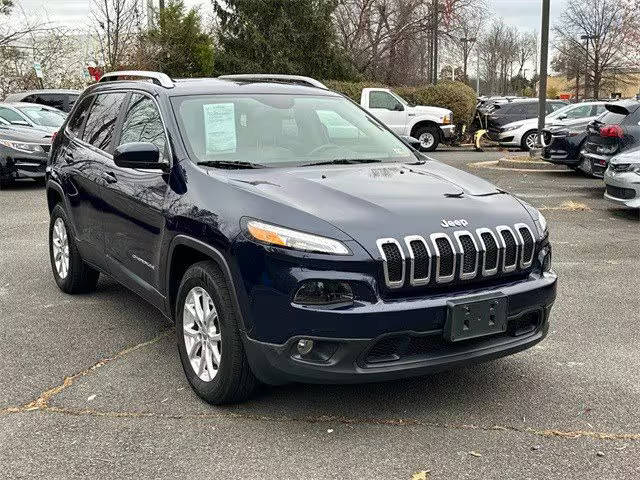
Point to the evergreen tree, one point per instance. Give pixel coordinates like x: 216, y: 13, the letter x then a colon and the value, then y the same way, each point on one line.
x: 279, y: 36
x: 177, y: 45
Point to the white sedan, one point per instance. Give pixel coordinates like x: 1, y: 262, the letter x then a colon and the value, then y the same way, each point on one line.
x: 523, y: 133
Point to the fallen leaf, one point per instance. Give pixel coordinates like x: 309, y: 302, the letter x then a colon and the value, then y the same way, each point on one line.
x: 91, y: 397
x: 475, y: 454
x: 330, y: 430
x: 422, y: 475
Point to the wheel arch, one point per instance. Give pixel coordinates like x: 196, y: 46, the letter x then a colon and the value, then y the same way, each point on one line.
x: 185, y: 251
x: 423, y: 122
x: 55, y: 195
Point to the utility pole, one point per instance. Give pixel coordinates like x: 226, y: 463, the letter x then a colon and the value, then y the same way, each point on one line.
x: 544, y: 61
x: 465, y: 53
x: 478, y: 73
x: 436, y: 20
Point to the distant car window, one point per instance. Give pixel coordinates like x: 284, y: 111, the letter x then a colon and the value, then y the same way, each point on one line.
x: 142, y: 123
x: 77, y: 121
x: 72, y: 101
x: 378, y: 99
x: 598, y: 110
x: 10, y: 115
x: 44, y: 116
x: 611, y: 118
x: 556, y: 105
x: 336, y: 126
x: 101, y: 122
x: 579, y: 112
x: 55, y: 100
x: 531, y: 109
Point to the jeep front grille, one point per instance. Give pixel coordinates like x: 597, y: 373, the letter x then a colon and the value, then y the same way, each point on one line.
x: 442, y: 258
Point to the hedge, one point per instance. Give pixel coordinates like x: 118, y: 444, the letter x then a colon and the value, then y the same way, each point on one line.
x: 456, y: 96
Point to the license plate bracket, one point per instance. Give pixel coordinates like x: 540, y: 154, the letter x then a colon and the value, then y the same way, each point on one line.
x: 474, y: 317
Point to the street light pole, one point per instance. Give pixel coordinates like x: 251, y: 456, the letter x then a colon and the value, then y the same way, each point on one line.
x: 478, y: 73
x: 465, y: 52
x: 544, y: 60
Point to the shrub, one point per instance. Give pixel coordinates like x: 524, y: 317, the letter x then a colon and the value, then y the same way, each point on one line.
x: 456, y: 96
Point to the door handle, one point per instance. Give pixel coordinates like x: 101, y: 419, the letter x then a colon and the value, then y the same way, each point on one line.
x: 109, y: 177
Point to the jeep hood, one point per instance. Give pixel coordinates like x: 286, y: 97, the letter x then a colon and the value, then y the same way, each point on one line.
x: 374, y: 201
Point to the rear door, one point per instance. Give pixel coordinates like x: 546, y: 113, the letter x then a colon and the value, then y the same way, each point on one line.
x: 135, y: 222
x: 85, y: 154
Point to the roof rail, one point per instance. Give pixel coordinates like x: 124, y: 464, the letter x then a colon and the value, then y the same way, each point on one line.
x: 274, y: 77
x: 158, y: 78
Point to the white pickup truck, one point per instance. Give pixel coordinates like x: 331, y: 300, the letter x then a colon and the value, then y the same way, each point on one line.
x: 430, y: 125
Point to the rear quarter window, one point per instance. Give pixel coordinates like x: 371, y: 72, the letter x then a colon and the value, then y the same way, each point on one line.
x: 76, y: 122
x: 611, y: 118
x: 101, y: 122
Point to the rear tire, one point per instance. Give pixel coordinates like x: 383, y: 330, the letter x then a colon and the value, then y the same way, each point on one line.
x: 209, y: 338
x: 70, y: 272
x: 429, y: 137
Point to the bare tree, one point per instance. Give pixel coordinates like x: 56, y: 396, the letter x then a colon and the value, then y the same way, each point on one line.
x: 604, y: 33
x: 116, y: 25
x: 468, y: 25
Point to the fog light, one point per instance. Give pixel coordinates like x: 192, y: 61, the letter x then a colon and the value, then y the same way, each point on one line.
x: 326, y: 293
x: 305, y: 346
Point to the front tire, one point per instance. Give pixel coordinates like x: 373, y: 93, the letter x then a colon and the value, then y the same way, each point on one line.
x: 529, y: 140
x: 429, y: 137
x: 70, y: 272
x: 209, y: 339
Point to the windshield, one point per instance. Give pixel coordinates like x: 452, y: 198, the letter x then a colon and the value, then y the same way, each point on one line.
x: 282, y: 130
x: 44, y: 116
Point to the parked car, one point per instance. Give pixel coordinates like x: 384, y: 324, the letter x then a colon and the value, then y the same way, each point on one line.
x: 523, y: 134
x: 61, y: 99
x: 283, y: 249
x: 40, y: 117
x: 617, y: 130
x: 430, y: 125
x: 499, y: 115
x: 562, y: 144
x: 23, y: 153
x: 622, y: 179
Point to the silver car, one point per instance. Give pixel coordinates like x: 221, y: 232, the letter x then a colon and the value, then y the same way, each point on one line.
x: 622, y: 179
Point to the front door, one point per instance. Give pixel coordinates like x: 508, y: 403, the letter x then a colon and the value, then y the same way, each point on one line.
x: 389, y: 110
x: 135, y: 223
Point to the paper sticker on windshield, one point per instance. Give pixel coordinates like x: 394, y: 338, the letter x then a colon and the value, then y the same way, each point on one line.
x: 219, y: 128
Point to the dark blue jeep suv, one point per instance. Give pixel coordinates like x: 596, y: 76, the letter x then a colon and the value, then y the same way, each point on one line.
x: 289, y: 234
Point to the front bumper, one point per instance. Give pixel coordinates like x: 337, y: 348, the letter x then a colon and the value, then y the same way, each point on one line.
x: 22, y: 165
x: 510, y: 138
x: 448, y: 131
x: 417, y: 339
x: 620, y: 186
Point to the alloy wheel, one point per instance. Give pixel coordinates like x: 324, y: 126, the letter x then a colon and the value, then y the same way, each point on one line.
x: 531, y: 141
x: 202, y: 335
x: 60, y: 243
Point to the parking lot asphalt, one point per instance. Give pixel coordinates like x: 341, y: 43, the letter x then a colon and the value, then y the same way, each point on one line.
x: 91, y: 386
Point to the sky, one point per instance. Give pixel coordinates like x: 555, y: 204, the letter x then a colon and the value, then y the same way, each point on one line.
x: 525, y: 14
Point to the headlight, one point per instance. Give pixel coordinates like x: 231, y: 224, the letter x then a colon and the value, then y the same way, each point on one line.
x: 22, y: 146
x: 511, y: 128
x: 542, y: 222
x: 284, y: 237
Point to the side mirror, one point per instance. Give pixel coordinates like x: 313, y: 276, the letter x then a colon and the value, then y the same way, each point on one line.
x: 562, y: 116
x: 410, y: 142
x: 398, y: 107
x: 139, y: 155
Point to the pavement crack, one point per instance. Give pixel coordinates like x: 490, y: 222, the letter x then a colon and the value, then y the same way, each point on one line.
x: 42, y: 402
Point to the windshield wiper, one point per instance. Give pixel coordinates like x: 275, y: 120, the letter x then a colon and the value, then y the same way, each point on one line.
x: 230, y: 164
x: 342, y: 161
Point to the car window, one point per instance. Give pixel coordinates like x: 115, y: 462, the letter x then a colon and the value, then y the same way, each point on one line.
x: 43, y: 116
x: 555, y: 106
x: 77, y: 121
x: 378, y: 99
x: 55, y: 100
x: 11, y: 115
x: 579, y: 112
x: 142, y: 123
x: 276, y: 130
x: 102, y: 118
x: 531, y: 109
x: 598, y: 110
x: 611, y: 118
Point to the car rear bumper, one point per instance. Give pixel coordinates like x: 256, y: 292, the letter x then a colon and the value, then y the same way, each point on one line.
x: 594, y: 164
x: 401, y: 353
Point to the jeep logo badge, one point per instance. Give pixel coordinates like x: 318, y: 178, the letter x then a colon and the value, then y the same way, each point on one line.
x: 454, y: 223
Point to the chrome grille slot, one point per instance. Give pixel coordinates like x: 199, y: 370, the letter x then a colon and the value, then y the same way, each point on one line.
x: 393, y: 262
x: 491, y: 251
x: 510, y: 245
x: 469, y: 255
x: 445, y: 257
x: 419, y: 260
x: 527, y: 244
